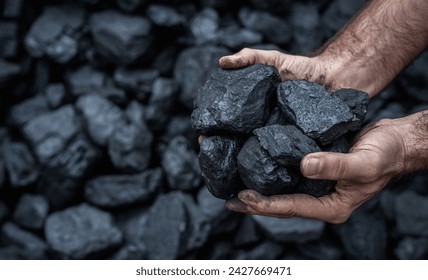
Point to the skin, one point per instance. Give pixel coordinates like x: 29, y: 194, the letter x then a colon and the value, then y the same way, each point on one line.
x: 366, y: 54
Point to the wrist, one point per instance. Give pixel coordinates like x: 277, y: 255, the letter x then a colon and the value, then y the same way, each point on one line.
x: 416, y: 141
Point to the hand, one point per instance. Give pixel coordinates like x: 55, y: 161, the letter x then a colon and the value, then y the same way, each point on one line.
x: 382, y: 150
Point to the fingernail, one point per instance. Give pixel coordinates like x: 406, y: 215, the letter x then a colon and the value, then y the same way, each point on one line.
x: 312, y: 166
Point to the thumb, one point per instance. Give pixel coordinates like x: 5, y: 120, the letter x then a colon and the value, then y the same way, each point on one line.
x: 337, y: 166
x: 247, y: 57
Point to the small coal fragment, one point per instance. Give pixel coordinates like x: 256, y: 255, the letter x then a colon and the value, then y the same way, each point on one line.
x: 236, y: 101
x: 320, y: 114
x: 248, y: 232
x: 285, y: 143
x: 131, y: 251
x: 130, y: 5
x: 12, y: 8
x: 132, y: 223
x: 299, y: 230
x: 31, y: 211
x: 306, y: 27
x: 101, y: 117
x: 165, y: 16
x: 167, y: 228
x: 20, y: 163
x: 273, y: 28
x: 276, y: 117
x: 50, y: 133
x: 411, y: 248
x: 138, y: 81
x: 260, y: 172
x: 120, y: 190
x: 204, y: 26
x: 193, y: 67
x: 180, y: 163
x: 85, y: 80
x: 81, y: 231
x: 55, y: 95
x: 120, y: 38
x: 324, y: 249
x: 8, y: 36
x: 217, y: 159
x: 237, y: 38
x: 55, y: 32
x: 8, y: 71
x: 27, y: 110
x: 411, y: 214
x: 315, y: 188
x: 24, y: 239
x: 266, y: 250
x: 340, y: 145
x: 356, y: 100
x: 278, y: 6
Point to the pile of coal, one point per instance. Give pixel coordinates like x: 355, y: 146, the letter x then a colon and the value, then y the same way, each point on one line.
x: 258, y: 130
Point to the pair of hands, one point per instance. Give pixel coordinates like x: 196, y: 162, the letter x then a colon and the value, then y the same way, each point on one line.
x: 379, y: 153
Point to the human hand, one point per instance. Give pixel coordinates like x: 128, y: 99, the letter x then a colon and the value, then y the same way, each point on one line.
x: 382, y: 151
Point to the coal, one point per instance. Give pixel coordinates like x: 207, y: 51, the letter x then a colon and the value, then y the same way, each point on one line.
x: 356, y: 100
x: 294, y: 229
x: 318, y: 113
x: 8, y: 71
x: 248, y: 232
x: 411, y: 248
x: 411, y: 214
x: 138, y: 81
x: 131, y: 252
x: 56, y: 32
x: 121, y: 190
x: 260, y: 172
x: 286, y: 144
x: 81, y: 231
x: 321, y: 250
x: 55, y: 95
x: 165, y: 16
x: 306, y: 27
x: 121, y: 38
x: 204, y: 25
x: 193, y: 67
x: 276, y: 117
x: 130, y: 5
x: 237, y: 38
x: 50, y: 133
x: 12, y: 8
x: 85, y: 79
x: 8, y: 39
x: 101, y: 117
x: 236, y: 101
x: 31, y: 211
x: 315, y: 188
x: 267, y: 250
x: 20, y: 164
x: 217, y: 159
x: 181, y: 165
x: 24, y: 239
x: 28, y: 110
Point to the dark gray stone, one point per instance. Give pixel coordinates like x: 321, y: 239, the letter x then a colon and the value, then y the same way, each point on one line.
x: 260, y: 172
x: 276, y: 117
x: 236, y: 101
x: 8, y: 71
x: 120, y: 38
x: 101, y: 117
x: 193, y: 67
x: 165, y: 16
x: 122, y: 190
x: 14, y: 252
x: 248, y: 232
x: 27, y: 110
x: 131, y: 251
x: 321, y: 115
x: 314, y: 187
x: 85, y: 80
x: 411, y: 214
x: 50, y: 133
x: 22, y: 238
x: 81, y: 231
x: 237, y: 38
x: 204, y: 26
x: 20, y: 164
x: 295, y: 229
x: 356, y: 100
x: 8, y: 39
x: 266, y: 250
x: 410, y: 248
x: 138, y: 81
x: 340, y: 145
x: 324, y: 249
x: 130, y: 5
x: 55, y: 95
x: 181, y: 166
x: 31, y: 211
x: 55, y: 32
x: 217, y: 159
x: 285, y: 143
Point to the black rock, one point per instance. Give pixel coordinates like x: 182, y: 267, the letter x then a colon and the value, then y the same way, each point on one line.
x: 411, y: 248
x: 85, y: 80
x: 166, y: 16
x: 204, y: 26
x: 260, y: 172
x: 276, y: 117
x: 236, y: 101
x: 120, y: 190
x: 120, y: 38
x: 340, y: 145
x: 315, y: 188
x: 295, y: 229
x: 31, y: 211
x: 237, y: 38
x: 132, y: 222
x: 130, y: 5
x: 131, y: 251
x: 101, y: 117
x: 50, y: 133
x: 181, y: 166
x: 356, y: 100
x: 266, y: 250
x: 8, y: 71
x: 193, y: 67
x: 81, y: 231
x: 8, y: 39
x: 272, y: 5
x: 27, y: 110
x: 273, y: 28
x: 217, y: 159
x: 138, y: 81
x: 411, y: 214
x: 12, y: 8
x: 55, y: 95
x: 24, y: 239
x: 55, y: 32
x: 324, y: 249
x: 20, y: 164
x: 321, y: 115
x: 285, y: 143
x: 248, y: 232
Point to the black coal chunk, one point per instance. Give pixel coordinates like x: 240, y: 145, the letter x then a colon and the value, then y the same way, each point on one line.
x: 411, y: 214
x: 138, y: 81
x: 260, y: 172
x: 85, y: 80
x: 237, y: 38
x: 120, y: 190
x: 193, y: 67
x: 31, y: 211
x: 25, y: 240
x: 265, y: 250
x: 356, y: 100
x: 412, y: 248
x: 276, y: 117
x: 81, y: 231
x: 217, y: 159
x: 130, y: 5
x: 286, y: 144
x: 315, y: 188
x: 20, y: 163
x: 324, y: 249
x: 321, y: 115
x: 8, y: 71
x: 166, y: 16
x: 236, y: 101
x: 55, y: 32
x: 121, y: 38
x: 12, y: 8
x: 27, y: 110
x: 55, y: 95
x: 204, y: 26
x: 8, y: 39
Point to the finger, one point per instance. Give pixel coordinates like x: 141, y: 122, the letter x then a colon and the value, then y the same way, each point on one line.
x: 238, y: 206
x: 337, y: 166
x: 247, y: 57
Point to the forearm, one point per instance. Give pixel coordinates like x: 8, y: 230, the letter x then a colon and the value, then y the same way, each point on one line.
x: 376, y: 44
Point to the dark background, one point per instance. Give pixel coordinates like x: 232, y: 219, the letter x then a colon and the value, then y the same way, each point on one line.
x: 97, y: 155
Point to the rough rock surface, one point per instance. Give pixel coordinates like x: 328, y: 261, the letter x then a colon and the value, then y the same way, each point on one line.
x: 31, y: 211
x: 356, y: 100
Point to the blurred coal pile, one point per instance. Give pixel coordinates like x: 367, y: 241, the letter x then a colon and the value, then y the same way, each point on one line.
x: 97, y: 155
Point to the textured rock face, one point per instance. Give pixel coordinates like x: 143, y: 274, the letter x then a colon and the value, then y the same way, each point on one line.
x: 236, y: 101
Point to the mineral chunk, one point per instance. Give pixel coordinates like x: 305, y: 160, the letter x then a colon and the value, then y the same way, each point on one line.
x: 8, y: 71
x: 236, y: 101
x: 31, y: 211
x: 318, y: 113
x: 260, y: 172
x: 55, y: 95
x: 165, y: 16
x: 411, y: 214
x: 217, y: 158
x: 315, y: 188
x: 81, y: 231
x: 8, y: 39
x: 28, y: 110
x: 356, y: 100
x: 23, y: 238
x: 286, y: 144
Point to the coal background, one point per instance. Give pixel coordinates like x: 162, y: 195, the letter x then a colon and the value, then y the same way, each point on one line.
x: 97, y: 156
